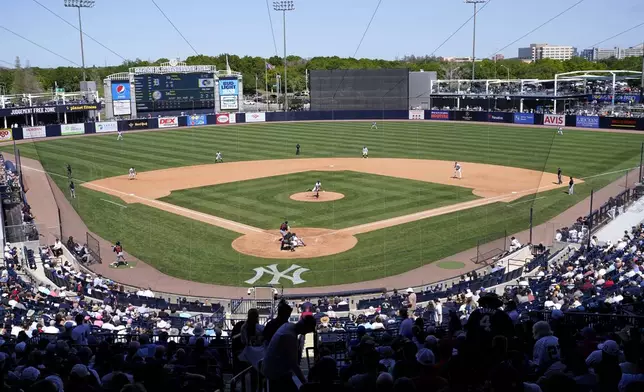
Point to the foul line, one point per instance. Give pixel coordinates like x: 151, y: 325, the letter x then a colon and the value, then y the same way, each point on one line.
x: 359, y: 229
x: 525, y: 201
x: 147, y: 201
x: 109, y: 201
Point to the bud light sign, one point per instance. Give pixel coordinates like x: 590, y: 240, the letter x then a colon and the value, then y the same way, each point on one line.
x: 524, y: 118
x: 587, y: 121
x: 228, y: 87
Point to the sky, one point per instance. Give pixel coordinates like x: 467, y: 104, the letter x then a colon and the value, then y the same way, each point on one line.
x: 136, y: 28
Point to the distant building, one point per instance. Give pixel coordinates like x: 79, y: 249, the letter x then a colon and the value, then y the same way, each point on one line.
x: 544, y: 51
x: 587, y: 54
x: 459, y: 59
x: 595, y: 54
x: 635, y: 51
x: 498, y: 57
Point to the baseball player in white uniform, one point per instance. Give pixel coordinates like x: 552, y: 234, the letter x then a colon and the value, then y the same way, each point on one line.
x: 218, y: 157
x: 365, y: 152
x: 317, y: 188
x: 132, y: 174
x: 374, y: 125
x: 119, y: 135
x: 560, y: 131
x: 457, y: 170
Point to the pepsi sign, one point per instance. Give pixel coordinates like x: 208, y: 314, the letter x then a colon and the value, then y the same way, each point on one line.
x: 121, y: 91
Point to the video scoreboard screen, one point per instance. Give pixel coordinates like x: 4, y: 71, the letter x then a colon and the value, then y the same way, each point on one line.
x: 178, y: 91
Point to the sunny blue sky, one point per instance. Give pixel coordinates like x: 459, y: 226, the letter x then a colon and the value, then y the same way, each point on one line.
x: 135, y: 28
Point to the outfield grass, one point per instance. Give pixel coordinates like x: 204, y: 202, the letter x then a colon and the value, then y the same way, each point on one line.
x: 197, y: 251
x: 265, y: 202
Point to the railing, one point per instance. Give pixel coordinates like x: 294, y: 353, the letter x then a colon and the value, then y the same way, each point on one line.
x: 248, y: 380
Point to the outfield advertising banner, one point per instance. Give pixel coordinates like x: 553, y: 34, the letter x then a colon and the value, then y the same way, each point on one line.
x: 106, y: 126
x: 72, y: 129
x: 168, y: 122
x: 197, y: 119
x: 416, y: 114
x: 225, y: 118
x: 619, y: 123
x: 524, y: 118
x: 255, y: 117
x: 6, y: 135
x: 499, y: 117
x: 470, y: 115
x: 587, y: 121
x: 136, y: 124
x: 439, y: 115
x: 554, y: 120
x: 33, y: 132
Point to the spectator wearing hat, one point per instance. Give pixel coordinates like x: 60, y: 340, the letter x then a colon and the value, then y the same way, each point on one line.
x: 427, y: 379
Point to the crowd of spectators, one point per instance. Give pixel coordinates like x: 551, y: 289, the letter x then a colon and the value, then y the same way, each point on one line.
x: 27, y: 100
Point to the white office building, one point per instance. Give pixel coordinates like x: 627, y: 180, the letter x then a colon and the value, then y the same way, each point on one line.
x: 595, y: 54
x: 544, y: 51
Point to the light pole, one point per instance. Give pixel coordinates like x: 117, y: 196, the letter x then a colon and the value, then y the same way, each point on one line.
x: 284, y: 6
x: 508, y: 69
x: 80, y: 4
x: 476, y: 3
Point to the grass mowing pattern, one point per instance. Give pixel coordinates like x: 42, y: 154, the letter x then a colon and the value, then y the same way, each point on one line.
x: 265, y: 202
x: 197, y: 251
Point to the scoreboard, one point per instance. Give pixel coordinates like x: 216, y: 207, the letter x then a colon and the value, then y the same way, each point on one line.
x: 176, y: 91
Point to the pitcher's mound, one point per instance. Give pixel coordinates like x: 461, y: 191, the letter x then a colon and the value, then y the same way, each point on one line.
x: 319, y: 242
x: 324, y: 196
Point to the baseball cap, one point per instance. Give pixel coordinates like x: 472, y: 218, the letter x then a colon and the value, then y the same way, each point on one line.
x: 30, y: 374
x: 425, y: 357
x: 610, y: 347
x: 80, y: 370
x: 557, y: 314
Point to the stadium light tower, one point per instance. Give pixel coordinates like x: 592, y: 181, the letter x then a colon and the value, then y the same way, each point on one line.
x: 80, y: 4
x: 476, y: 3
x: 284, y: 6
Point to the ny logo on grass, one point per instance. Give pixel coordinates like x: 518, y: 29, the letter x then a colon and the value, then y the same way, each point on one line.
x: 277, y: 275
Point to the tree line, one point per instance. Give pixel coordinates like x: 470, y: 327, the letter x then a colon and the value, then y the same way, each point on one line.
x: 26, y: 79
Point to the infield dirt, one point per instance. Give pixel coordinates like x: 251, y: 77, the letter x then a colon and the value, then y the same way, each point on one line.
x: 492, y: 183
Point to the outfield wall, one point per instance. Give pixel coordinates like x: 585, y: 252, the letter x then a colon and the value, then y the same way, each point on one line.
x: 167, y: 123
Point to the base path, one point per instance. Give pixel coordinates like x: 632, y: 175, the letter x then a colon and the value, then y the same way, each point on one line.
x: 484, y: 180
x: 488, y: 181
x: 144, y: 275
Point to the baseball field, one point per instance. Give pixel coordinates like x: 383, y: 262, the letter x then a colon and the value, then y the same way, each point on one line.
x: 395, y: 211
